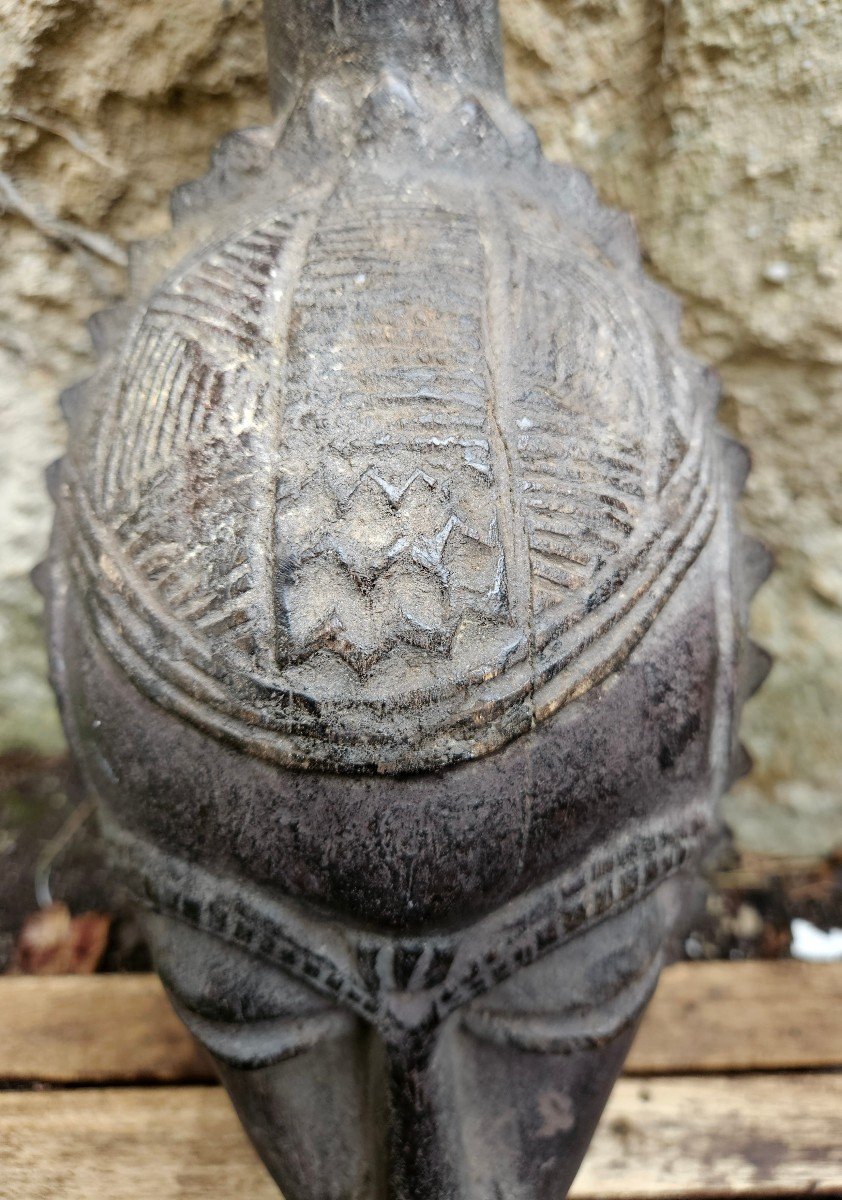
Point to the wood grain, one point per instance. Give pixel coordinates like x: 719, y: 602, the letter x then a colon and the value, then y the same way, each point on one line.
x: 705, y: 1117
x: 717, y: 1136
x: 93, y: 1029
x: 711, y: 1017
x: 751, y: 1016
x: 701, y: 1138
x: 160, y: 1143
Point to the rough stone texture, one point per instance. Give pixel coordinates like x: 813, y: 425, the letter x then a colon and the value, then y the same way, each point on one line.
x: 716, y: 122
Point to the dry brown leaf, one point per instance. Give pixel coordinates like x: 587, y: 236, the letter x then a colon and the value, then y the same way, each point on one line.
x: 52, y: 942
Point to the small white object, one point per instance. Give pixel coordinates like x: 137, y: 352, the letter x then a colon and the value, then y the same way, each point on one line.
x: 777, y: 272
x: 814, y: 945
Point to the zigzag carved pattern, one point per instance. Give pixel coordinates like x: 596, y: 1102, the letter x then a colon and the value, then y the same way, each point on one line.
x: 394, y: 394
x: 429, y: 593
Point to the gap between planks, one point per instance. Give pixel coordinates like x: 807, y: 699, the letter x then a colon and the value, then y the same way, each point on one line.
x: 669, y: 1138
x: 704, y: 1018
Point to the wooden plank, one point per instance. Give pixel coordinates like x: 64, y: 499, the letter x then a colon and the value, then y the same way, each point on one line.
x: 704, y: 1017
x: 711, y: 1137
x: 750, y: 1016
x: 702, y: 1138
x: 93, y: 1029
x: 159, y: 1143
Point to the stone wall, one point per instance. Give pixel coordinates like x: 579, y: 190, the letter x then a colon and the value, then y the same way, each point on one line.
x: 717, y: 123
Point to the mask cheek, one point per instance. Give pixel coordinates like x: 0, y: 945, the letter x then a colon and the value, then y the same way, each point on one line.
x: 530, y: 1115
x: 308, y: 1116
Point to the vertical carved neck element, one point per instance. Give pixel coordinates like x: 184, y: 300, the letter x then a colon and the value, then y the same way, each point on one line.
x: 456, y: 38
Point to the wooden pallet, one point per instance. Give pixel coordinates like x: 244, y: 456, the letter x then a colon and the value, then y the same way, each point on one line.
x: 733, y: 1089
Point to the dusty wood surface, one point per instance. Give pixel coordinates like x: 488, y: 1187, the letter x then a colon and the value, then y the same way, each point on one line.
x: 717, y: 1136
x: 720, y: 1099
x: 93, y: 1029
x: 673, y: 1138
x: 751, y: 1016
x: 159, y: 1143
x: 720, y: 1017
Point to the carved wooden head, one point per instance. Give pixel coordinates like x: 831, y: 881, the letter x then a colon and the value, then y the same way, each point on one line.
x: 397, y: 607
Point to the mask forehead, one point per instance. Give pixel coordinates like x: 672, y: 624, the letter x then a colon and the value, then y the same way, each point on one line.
x: 425, y: 851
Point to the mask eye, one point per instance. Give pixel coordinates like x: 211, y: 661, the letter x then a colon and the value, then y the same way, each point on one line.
x: 571, y: 1029
x: 264, y: 1043
x: 248, y: 1013
x: 600, y: 982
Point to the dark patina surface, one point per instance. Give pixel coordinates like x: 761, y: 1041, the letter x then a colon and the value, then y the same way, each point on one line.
x: 397, y: 614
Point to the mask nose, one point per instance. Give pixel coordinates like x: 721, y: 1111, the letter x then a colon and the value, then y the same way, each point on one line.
x: 422, y: 1151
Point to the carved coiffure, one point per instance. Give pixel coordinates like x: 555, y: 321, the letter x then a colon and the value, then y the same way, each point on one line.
x: 397, y: 616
